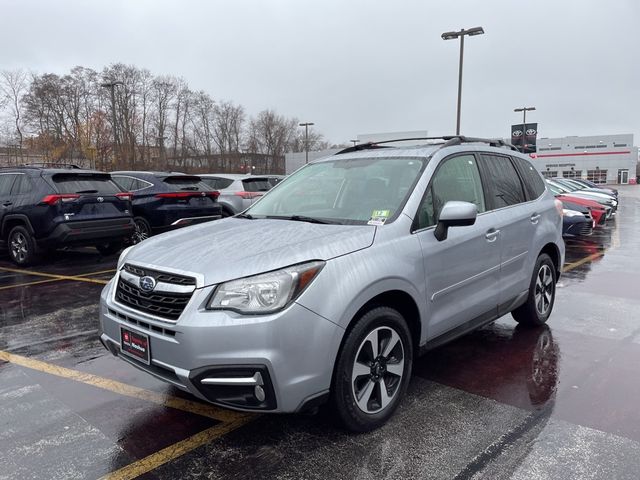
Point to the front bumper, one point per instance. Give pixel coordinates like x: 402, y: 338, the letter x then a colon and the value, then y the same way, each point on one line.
x: 293, y: 352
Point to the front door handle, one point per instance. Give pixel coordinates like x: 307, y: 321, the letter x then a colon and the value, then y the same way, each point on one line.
x: 7, y: 204
x: 535, y: 217
x: 491, y: 235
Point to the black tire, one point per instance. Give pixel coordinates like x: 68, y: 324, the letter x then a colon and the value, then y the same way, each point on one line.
x: 227, y: 212
x: 377, y: 323
x: 142, y: 230
x: 542, y: 294
x: 109, y: 248
x: 23, y: 250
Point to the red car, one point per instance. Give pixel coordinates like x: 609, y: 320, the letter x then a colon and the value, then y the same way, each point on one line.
x: 598, y: 212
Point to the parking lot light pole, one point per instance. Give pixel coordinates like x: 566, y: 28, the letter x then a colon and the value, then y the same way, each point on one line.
x: 355, y: 142
x: 524, y: 111
x: 452, y: 36
x: 111, y: 85
x: 306, y: 140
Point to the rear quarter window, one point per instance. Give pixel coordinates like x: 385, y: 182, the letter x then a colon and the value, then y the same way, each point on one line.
x: 6, y: 180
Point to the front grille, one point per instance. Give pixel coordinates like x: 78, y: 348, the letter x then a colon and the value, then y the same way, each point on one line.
x: 585, y: 230
x: 160, y: 276
x: 141, y: 324
x: 167, y: 305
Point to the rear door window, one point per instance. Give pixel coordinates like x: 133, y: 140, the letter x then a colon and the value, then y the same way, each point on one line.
x: 99, y: 184
x: 256, y: 185
x: 21, y: 186
x: 124, y: 182
x: 533, y: 183
x: 6, y: 180
x: 504, y: 185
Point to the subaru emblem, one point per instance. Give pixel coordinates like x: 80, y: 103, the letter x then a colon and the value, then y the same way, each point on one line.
x: 147, y: 284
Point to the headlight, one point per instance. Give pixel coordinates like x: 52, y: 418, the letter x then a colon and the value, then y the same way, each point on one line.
x: 123, y: 256
x: 264, y: 293
x: 614, y: 202
x: 571, y: 213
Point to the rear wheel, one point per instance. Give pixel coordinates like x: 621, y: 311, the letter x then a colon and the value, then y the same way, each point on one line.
x: 109, y: 248
x: 542, y: 294
x: 373, y: 370
x: 22, y: 246
x: 141, y: 231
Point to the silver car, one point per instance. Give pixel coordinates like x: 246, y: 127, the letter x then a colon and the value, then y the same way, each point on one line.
x: 330, y: 285
x: 238, y: 192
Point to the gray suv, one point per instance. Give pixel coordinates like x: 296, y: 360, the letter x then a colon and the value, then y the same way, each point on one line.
x: 330, y: 285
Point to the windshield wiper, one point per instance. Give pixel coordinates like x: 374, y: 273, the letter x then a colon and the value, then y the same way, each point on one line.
x: 302, y: 218
x: 245, y: 215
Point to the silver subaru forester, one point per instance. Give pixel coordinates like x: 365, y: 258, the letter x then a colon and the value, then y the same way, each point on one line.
x: 328, y: 287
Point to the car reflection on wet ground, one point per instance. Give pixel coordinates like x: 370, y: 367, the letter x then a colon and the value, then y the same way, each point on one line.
x: 502, y: 402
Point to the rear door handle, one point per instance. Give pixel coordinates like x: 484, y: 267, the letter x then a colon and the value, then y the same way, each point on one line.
x: 7, y: 204
x: 491, y: 235
x: 535, y: 217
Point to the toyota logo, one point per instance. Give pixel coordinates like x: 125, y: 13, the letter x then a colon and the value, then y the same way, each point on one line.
x: 100, y: 199
x: 147, y: 284
x: 531, y: 132
x: 516, y: 133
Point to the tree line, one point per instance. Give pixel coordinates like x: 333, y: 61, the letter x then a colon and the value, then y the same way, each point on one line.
x: 124, y: 117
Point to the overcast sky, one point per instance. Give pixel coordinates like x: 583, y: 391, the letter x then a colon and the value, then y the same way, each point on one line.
x: 360, y: 66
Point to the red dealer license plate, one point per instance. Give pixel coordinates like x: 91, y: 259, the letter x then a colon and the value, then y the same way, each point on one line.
x: 135, y: 344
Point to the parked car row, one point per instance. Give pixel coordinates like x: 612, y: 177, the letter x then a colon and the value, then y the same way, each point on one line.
x: 44, y: 208
x: 585, y: 206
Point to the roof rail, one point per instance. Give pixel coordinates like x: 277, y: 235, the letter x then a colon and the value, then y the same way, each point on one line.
x: 44, y: 165
x: 448, y: 140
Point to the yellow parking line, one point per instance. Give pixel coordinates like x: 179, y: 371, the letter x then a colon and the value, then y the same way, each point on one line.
x: 176, y: 450
x: 111, y: 270
x: 51, y: 275
x: 26, y: 284
x: 114, y: 386
x: 570, y: 266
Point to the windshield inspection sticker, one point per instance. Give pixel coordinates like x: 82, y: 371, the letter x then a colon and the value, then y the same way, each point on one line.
x: 378, y: 217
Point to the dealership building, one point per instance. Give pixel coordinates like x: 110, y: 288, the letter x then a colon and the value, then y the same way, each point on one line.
x: 599, y: 158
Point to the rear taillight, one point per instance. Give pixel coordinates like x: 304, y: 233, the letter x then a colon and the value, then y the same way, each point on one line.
x: 126, y: 196
x: 65, y: 198
x: 249, y: 194
x: 558, y: 206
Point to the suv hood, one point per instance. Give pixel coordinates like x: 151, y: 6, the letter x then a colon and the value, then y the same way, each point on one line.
x: 233, y: 248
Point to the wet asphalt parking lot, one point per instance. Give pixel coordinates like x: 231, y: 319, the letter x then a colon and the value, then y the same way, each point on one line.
x: 503, y: 402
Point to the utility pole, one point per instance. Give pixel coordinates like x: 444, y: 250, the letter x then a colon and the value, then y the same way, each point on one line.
x: 306, y: 140
x: 451, y: 36
x: 524, y: 111
x: 116, y: 139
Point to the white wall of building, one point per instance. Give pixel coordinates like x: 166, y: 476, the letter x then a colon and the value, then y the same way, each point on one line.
x: 293, y: 161
x: 601, y: 158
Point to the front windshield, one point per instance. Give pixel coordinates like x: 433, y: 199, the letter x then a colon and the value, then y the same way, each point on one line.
x: 353, y: 191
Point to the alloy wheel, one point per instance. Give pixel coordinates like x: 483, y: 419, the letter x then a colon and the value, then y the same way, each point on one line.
x: 377, y: 370
x: 141, y: 232
x: 544, y: 290
x: 19, y: 247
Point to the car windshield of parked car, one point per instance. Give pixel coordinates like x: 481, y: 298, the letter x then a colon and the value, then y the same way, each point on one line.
x: 355, y: 191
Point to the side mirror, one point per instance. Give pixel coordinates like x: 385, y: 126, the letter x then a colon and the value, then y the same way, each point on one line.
x: 455, y: 214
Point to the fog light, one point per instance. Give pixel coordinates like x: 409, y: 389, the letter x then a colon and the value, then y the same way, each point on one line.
x: 259, y: 393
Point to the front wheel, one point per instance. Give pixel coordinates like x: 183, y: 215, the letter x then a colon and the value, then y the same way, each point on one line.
x: 373, y: 369
x: 542, y: 294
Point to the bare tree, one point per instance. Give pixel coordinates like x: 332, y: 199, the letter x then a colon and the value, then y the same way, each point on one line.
x: 13, y: 85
